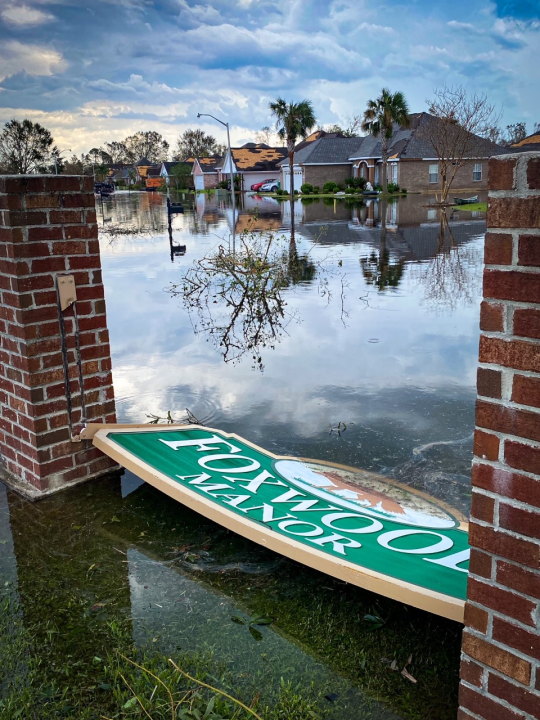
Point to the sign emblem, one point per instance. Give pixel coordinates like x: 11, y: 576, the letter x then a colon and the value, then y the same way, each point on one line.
x: 358, y: 526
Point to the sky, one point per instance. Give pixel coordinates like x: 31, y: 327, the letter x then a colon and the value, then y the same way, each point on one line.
x: 93, y: 72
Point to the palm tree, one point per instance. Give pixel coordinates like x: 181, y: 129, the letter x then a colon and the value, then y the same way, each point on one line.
x: 379, y: 119
x: 293, y: 121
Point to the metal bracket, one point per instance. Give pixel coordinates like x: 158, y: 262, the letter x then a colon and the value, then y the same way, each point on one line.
x: 67, y: 293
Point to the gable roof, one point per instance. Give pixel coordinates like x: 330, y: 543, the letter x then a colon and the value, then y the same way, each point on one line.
x: 326, y: 150
x: 317, y: 135
x: 413, y: 142
x: 172, y: 164
x: 144, y: 162
x: 209, y: 164
x: 252, y: 157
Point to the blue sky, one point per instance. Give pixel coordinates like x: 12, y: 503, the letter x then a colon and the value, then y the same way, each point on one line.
x: 100, y: 70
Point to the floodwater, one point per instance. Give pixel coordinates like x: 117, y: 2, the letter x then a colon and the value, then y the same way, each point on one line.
x: 367, y: 358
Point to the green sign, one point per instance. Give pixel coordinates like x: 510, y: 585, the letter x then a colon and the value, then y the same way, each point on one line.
x: 351, y: 524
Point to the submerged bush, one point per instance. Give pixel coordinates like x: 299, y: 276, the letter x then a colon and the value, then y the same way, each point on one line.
x: 306, y: 188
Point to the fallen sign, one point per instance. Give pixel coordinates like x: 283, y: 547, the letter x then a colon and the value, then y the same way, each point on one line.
x: 357, y: 526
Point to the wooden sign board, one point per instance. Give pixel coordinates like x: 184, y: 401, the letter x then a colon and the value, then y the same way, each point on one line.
x: 353, y: 525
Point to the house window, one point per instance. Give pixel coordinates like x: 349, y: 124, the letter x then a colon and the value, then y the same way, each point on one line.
x: 362, y: 170
x: 434, y: 173
x: 477, y: 172
x: 393, y: 173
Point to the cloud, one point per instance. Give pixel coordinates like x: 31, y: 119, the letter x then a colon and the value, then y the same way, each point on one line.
x: 35, y: 59
x: 24, y: 16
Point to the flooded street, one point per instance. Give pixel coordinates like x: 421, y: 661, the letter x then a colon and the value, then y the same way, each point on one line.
x: 365, y: 356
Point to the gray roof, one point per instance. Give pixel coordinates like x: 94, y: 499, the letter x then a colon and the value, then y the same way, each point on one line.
x: 413, y: 142
x: 327, y: 150
x: 173, y: 163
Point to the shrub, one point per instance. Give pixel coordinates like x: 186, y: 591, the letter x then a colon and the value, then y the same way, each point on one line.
x: 307, y: 188
x: 392, y: 187
x: 223, y: 185
x: 350, y: 190
x: 377, y: 187
x: 404, y: 191
x: 330, y: 187
x: 356, y: 182
x: 316, y: 189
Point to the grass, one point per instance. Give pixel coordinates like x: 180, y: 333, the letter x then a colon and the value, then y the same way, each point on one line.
x: 473, y: 207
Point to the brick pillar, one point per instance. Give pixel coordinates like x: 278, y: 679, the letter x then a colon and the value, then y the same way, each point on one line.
x: 500, y: 673
x: 48, y: 227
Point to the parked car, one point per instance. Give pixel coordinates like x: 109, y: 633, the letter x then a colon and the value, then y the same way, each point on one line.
x: 257, y: 186
x: 271, y: 186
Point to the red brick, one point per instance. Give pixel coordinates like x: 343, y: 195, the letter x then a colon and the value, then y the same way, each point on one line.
x: 70, y: 247
x: 498, y: 249
x: 44, y: 200
x: 63, y: 217
x: 513, y: 212
x: 79, y: 200
x: 533, y: 173
x: 529, y: 250
x: 92, y: 292
x: 36, y: 282
x: 56, y: 183
x: 84, y: 262
x: 502, y: 601
x: 491, y: 317
x: 21, y: 217
x: 517, y: 638
x: 482, y: 507
x: 58, y: 465
x: 518, y: 578
x: 507, y: 484
x: 82, y: 232
x: 45, y: 233
x: 484, y: 707
x: 519, y: 697
x: 476, y: 618
x: 471, y: 673
x: 526, y: 390
x: 31, y: 249
x: 522, y: 457
x: 87, y: 184
x: 523, y: 522
x: 501, y: 174
x: 512, y: 285
x: 10, y: 202
x: 527, y: 322
x: 508, y: 420
x: 486, y: 445
x: 516, y: 354
x: 497, y: 658
x: 50, y: 264
x: 24, y: 184
x: 507, y: 546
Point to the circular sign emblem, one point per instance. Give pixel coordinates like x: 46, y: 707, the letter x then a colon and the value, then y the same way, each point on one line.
x: 366, y: 493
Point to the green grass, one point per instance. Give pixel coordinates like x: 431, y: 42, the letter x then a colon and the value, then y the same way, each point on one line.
x: 481, y: 207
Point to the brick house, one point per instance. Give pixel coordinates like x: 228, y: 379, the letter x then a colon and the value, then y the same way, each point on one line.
x: 254, y: 163
x: 205, y: 173
x: 413, y: 163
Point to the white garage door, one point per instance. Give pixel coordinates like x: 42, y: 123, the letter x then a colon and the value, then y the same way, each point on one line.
x: 199, y: 182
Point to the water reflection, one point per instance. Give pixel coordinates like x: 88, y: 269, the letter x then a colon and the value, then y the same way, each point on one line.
x: 237, y: 295
x: 400, y: 372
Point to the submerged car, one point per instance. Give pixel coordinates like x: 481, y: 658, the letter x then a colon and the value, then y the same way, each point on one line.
x: 270, y: 186
x: 258, y: 185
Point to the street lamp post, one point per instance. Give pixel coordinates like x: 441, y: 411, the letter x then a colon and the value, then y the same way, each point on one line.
x: 56, y: 156
x: 199, y: 115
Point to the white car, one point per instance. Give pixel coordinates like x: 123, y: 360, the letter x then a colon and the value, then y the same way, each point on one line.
x: 269, y: 187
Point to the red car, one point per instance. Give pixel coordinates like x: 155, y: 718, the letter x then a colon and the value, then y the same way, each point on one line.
x: 258, y: 185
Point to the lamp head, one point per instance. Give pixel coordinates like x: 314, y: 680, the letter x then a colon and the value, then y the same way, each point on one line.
x: 198, y: 115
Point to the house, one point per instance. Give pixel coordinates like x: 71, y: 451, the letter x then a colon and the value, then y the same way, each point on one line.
x: 205, y: 172
x: 319, y: 158
x: 254, y: 163
x: 141, y: 168
x: 412, y: 160
x: 121, y: 174
x: 167, y: 169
